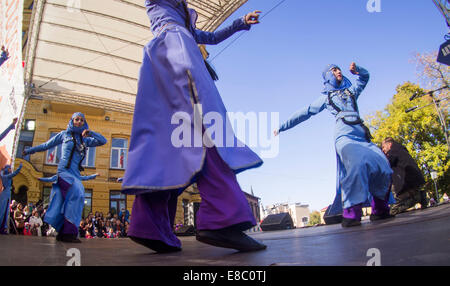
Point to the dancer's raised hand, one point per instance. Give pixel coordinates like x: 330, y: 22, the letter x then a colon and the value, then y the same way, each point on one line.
x: 85, y: 133
x: 252, y: 17
x: 353, y: 68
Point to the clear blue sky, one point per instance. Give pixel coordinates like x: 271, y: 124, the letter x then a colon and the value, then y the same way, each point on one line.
x: 277, y: 67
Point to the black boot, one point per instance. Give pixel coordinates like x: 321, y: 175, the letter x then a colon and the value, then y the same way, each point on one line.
x: 230, y: 238
x: 374, y: 217
x: 59, y: 236
x: 155, y: 245
x: 423, y: 200
x: 69, y: 238
x: 348, y: 222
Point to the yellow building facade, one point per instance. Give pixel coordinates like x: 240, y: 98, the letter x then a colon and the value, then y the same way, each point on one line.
x: 44, y: 118
x: 92, y: 90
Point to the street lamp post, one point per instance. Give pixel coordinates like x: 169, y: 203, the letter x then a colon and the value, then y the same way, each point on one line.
x: 434, y: 177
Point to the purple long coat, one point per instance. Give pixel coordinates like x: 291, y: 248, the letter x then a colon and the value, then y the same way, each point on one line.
x: 174, y: 91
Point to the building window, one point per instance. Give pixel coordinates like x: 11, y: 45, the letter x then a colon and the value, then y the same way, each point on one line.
x: 89, y: 160
x: 87, y: 203
x: 29, y: 125
x: 117, y: 202
x: 119, y: 148
x: 305, y: 220
x: 53, y: 154
x: 26, y: 138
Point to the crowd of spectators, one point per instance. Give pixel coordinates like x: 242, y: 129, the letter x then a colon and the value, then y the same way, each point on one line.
x: 111, y: 226
x: 29, y: 220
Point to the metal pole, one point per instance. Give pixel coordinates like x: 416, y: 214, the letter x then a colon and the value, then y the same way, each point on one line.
x: 442, y: 120
x: 438, y: 110
x: 434, y: 177
x: 437, y: 193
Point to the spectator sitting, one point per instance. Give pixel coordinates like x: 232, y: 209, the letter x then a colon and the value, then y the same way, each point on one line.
x: 110, y: 233
x: 19, y: 219
x: 125, y: 229
x: 445, y: 198
x: 124, y: 215
x: 118, y: 229
x: 36, y: 223
x: 45, y: 226
x: 432, y: 202
x: 12, y: 222
x: 82, y: 229
x: 100, y: 228
x: 94, y: 233
x: 27, y: 229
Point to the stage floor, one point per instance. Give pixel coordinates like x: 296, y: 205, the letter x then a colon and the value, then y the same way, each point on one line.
x: 419, y: 237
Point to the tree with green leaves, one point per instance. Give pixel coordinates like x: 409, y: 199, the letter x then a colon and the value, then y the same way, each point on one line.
x: 314, y: 218
x: 420, y: 131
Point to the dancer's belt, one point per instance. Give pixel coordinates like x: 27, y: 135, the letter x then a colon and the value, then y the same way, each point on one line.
x: 343, y: 114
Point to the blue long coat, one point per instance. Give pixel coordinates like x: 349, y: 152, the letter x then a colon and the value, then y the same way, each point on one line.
x: 173, y: 83
x: 5, y: 133
x: 71, y: 207
x: 5, y: 195
x: 362, y: 168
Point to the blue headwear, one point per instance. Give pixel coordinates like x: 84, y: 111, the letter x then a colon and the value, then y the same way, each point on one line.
x: 330, y: 81
x: 72, y: 128
x: 6, y: 169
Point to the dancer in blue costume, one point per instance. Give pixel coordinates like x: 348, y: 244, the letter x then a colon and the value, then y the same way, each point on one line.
x: 6, y: 175
x: 363, y: 170
x: 67, y: 195
x: 175, y: 78
x: 4, y: 55
x: 5, y: 196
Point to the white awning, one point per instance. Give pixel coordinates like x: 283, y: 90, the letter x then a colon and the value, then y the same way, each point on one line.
x: 90, y: 51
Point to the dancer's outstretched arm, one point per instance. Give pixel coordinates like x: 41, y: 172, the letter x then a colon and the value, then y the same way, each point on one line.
x: 361, y: 82
x: 10, y: 127
x: 54, y: 141
x: 213, y: 38
x: 303, y: 114
x: 90, y: 177
x: 15, y: 173
x: 4, y: 55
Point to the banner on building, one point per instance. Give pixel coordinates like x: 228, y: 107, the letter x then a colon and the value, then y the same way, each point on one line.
x: 444, y: 53
x: 11, y: 71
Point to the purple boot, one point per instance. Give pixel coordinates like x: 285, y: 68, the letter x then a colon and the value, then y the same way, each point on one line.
x: 380, y: 208
x: 352, y: 216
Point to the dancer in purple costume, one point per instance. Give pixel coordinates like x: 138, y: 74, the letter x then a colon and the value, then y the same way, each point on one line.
x: 175, y: 78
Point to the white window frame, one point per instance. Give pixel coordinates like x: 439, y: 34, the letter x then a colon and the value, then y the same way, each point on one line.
x: 86, y: 159
x: 56, y: 149
x: 119, y: 149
